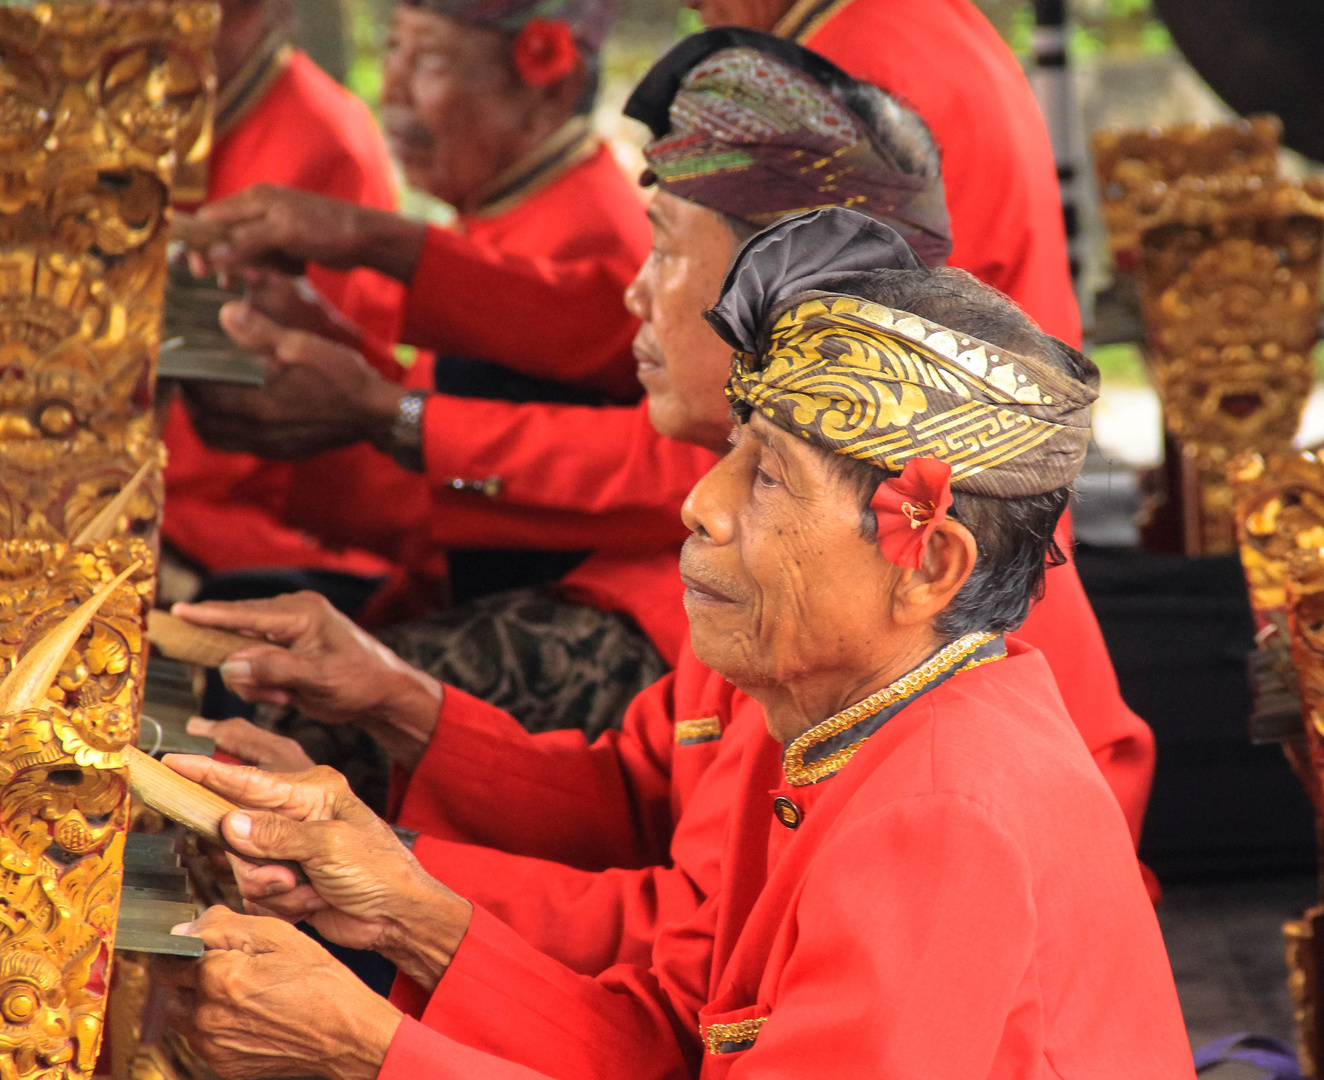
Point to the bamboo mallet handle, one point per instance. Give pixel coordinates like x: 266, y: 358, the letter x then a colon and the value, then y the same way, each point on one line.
x: 201, y: 645
x: 197, y: 808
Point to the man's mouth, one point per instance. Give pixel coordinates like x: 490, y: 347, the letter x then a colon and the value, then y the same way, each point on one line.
x: 646, y: 363
x: 406, y: 134
x: 701, y: 590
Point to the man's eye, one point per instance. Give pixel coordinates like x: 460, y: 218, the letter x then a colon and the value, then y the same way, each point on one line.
x: 765, y: 480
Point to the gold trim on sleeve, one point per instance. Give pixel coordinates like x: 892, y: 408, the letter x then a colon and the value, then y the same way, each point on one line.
x: 705, y: 729
x: 744, y: 1031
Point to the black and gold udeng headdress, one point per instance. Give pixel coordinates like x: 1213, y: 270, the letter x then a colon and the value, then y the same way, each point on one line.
x: 886, y: 386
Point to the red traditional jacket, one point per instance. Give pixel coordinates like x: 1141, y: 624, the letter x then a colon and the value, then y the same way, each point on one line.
x: 295, y: 127
x: 1001, y: 186
x: 534, y: 283
x: 943, y: 888
x: 587, y: 850
x: 944, y: 58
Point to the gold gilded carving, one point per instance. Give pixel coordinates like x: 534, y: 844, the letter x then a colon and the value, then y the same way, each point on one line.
x: 1229, y: 288
x: 1278, y: 511
x: 1227, y: 258
x: 1302, y: 938
x: 1138, y: 170
x: 70, y: 622
x: 100, y: 106
x: 1305, y: 624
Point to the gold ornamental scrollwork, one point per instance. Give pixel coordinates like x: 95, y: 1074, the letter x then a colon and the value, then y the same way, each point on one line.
x: 100, y: 106
x: 64, y: 798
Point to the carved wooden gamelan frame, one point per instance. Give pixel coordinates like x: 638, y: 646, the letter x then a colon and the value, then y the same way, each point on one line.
x: 103, y: 107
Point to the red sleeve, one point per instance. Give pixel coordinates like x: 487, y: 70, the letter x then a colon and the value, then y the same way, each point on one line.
x: 564, y: 457
x: 1062, y: 626
x: 417, y: 1051
x: 504, y: 997
x: 485, y: 780
x: 591, y: 921
x: 572, y: 308
x: 586, y: 920
x: 233, y: 535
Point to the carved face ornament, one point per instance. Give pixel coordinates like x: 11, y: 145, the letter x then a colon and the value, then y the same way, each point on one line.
x: 63, y: 812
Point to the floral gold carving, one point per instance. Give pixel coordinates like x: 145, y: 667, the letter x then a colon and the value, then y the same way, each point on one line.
x: 1278, y: 511
x: 1303, y: 939
x: 1230, y: 293
x: 64, y: 799
x: 1138, y: 170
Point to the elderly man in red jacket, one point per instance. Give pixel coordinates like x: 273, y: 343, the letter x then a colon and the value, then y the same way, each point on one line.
x: 902, y: 889
x: 281, y: 120
x: 527, y: 825
x: 523, y: 471
x: 719, y: 169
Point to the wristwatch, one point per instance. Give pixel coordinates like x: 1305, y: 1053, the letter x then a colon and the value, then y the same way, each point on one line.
x: 407, y: 431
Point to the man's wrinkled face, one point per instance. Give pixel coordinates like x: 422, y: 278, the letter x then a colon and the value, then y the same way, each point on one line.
x: 780, y: 584
x: 683, y: 364
x: 453, y: 108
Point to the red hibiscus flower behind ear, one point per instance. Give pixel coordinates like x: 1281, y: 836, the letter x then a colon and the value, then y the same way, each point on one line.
x: 545, y: 52
x: 910, y: 507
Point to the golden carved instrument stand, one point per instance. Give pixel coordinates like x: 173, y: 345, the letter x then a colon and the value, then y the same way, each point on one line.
x: 104, y: 107
x: 1227, y: 256
x: 1278, y: 502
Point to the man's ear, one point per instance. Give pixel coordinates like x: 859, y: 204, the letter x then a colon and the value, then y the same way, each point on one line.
x: 949, y: 560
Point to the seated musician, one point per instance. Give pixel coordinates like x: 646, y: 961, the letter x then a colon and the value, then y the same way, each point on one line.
x: 486, y: 106
x: 280, y: 119
x: 589, y: 824
x: 902, y: 888
x: 564, y: 467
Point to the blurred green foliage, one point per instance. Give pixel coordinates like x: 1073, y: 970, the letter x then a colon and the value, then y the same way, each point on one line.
x: 1098, y: 27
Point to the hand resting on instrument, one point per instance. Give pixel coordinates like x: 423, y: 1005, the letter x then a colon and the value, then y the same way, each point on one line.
x: 318, y: 661
x: 365, y: 889
x: 266, y: 1000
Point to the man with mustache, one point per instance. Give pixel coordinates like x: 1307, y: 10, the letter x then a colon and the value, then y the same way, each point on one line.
x: 902, y: 892
x: 525, y: 825
x: 608, y: 468
x: 486, y: 106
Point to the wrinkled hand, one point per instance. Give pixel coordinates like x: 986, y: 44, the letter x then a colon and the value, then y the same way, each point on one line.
x: 326, y: 667
x: 269, y: 227
x: 295, y: 304
x: 253, y: 745
x: 319, y: 395
x: 267, y: 1000
x: 364, y: 890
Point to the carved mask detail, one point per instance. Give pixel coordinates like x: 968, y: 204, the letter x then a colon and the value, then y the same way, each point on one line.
x: 64, y: 802
x: 100, y: 104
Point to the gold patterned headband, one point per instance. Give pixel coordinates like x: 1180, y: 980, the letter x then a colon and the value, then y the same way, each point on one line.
x: 886, y: 386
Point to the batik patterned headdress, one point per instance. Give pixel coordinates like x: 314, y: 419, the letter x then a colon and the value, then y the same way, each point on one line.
x: 745, y: 124
x: 885, y: 386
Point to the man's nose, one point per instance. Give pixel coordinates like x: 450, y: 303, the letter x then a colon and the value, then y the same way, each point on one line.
x: 396, y: 74
x: 638, y: 296
x: 710, y: 508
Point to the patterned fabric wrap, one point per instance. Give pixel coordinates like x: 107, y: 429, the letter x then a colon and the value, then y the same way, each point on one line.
x: 864, y: 380
x: 589, y: 20
x: 757, y: 139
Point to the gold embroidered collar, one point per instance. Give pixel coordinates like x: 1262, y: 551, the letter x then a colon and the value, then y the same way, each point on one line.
x: 806, y: 18
x: 565, y: 149
x: 247, y: 86
x: 822, y: 750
